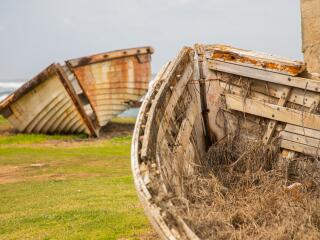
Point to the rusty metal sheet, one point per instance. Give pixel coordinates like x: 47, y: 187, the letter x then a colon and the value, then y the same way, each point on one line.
x: 112, y: 80
x: 47, y: 104
x: 254, y: 59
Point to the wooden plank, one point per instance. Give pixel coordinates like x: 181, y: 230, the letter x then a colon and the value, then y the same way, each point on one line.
x: 313, y: 142
x: 169, y: 76
x: 270, y: 91
x: 203, y: 95
x: 273, y: 123
x: 150, y: 120
x: 302, y: 131
x: 298, y: 147
x: 272, y: 111
x: 177, y: 92
x: 186, y: 126
x: 182, y: 142
x: 254, y: 59
x: 298, y: 82
x: 107, y: 56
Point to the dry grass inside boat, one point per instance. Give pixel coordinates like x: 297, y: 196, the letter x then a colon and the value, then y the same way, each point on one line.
x: 244, y: 191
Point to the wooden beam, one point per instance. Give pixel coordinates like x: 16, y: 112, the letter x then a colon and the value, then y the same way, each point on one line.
x: 272, y: 111
x: 302, y: 131
x: 177, y: 92
x: 313, y: 142
x: 297, y: 82
x: 273, y: 92
x: 203, y: 95
x: 273, y: 123
x: 298, y: 147
x: 254, y: 59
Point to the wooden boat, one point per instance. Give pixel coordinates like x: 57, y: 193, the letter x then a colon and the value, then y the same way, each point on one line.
x: 113, y: 81
x: 180, y: 118
x: 47, y: 104
x: 81, y: 96
x: 178, y: 122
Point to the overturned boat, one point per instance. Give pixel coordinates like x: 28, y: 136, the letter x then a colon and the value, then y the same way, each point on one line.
x: 226, y: 146
x: 82, y: 95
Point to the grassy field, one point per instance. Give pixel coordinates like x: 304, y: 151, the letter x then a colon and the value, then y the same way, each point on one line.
x: 68, y: 187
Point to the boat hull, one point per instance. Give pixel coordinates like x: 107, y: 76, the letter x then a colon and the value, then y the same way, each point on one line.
x: 113, y: 81
x: 167, y: 141
x: 47, y: 104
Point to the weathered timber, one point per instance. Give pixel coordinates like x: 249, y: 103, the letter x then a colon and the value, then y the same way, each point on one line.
x: 203, y: 94
x: 302, y: 131
x: 107, y: 56
x: 169, y: 78
x: 298, y: 147
x: 262, y: 75
x: 169, y: 94
x: 273, y: 123
x: 273, y: 94
x: 293, y: 137
x: 272, y: 111
x: 254, y: 59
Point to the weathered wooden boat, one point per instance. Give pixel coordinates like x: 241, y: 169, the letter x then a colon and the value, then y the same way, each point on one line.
x: 81, y: 96
x: 113, y: 81
x: 47, y: 104
x: 197, y: 100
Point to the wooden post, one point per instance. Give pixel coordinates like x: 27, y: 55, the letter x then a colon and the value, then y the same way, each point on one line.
x: 203, y: 96
x: 310, y: 21
x: 273, y: 124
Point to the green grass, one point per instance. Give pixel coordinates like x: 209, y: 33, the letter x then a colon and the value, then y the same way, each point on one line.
x: 82, y: 190
x: 2, y: 120
x: 36, y: 138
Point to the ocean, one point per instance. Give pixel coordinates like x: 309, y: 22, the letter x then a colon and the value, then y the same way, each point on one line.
x: 7, y: 87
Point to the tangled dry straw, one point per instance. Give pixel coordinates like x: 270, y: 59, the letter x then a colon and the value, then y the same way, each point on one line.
x: 243, y: 190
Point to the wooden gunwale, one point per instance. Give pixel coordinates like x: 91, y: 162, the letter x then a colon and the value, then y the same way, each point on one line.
x: 106, y: 56
x: 151, y: 209
x: 28, y: 86
x: 141, y: 135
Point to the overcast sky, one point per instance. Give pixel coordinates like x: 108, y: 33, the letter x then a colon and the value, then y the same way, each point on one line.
x: 35, y: 33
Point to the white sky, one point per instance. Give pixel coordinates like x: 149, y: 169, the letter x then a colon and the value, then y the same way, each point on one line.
x: 35, y: 33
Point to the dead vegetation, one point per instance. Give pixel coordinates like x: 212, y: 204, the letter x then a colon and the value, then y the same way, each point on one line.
x: 243, y: 190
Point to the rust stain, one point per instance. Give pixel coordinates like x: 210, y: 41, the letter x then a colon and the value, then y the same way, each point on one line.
x: 226, y: 54
x: 117, y: 81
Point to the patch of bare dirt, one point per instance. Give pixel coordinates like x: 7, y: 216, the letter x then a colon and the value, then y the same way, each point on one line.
x: 113, y: 129
x: 7, y: 129
x: 145, y: 236
x: 22, y: 173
